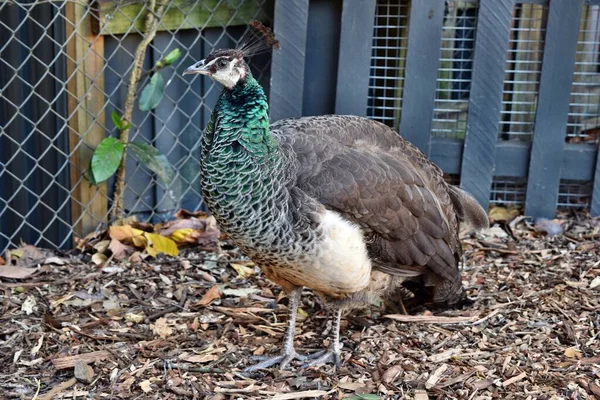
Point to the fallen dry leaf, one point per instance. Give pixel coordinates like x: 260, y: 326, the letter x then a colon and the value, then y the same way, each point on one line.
x: 99, y: 258
x: 391, y: 373
x: 572, y: 352
x: 202, y: 231
x: 128, y: 234
x: 242, y: 271
x: 153, y: 243
x: 16, y: 272
x: 146, y: 386
x: 55, y: 261
x: 28, y: 304
x: 502, y: 214
x: 160, y: 244
x: 26, y: 255
x: 132, y: 317
x: 119, y: 250
x: 241, y: 292
x: 212, y: 294
x: 161, y: 328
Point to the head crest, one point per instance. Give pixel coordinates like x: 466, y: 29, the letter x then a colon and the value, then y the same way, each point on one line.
x: 257, y: 40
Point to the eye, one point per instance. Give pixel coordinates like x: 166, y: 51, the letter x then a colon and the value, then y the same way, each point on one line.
x: 222, y: 63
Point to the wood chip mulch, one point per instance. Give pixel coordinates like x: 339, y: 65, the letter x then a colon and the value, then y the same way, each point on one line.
x: 176, y: 328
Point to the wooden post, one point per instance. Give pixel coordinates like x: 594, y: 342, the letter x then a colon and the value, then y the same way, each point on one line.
x: 86, y: 102
x: 422, y: 61
x: 356, y: 39
x: 485, y: 103
x: 553, y: 109
x: 287, y: 66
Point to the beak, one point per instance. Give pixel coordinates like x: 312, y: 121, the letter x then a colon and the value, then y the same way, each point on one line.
x: 197, y: 68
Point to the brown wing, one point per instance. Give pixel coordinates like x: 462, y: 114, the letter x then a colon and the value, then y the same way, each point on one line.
x: 373, y: 177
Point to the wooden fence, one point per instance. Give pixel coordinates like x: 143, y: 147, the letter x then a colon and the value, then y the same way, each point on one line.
x: 540, y: 43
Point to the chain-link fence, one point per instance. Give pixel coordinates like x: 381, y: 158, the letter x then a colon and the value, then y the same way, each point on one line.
x: 64, y: 68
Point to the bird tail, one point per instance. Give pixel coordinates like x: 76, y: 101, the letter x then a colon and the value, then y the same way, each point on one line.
x: 468, y: 209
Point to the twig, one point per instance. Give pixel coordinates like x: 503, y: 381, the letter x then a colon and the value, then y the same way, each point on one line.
x: 431, y: 319
x: 184, y: 367
x: 153, y: 18
x: 169, y: 309
x: 57, y: 389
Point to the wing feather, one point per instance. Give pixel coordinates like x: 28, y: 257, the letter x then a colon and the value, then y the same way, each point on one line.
x: 373, y: 177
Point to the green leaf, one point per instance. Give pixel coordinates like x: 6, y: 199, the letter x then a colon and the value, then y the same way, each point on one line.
x: 116, y: 118
x: 172, y: 56
x: 106, y: 159
x: 363, y: 397
x: 89, y: 175
x: 156, y: 162
x: 152, y: 93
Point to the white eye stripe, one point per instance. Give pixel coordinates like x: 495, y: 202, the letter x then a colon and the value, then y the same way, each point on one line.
x: 212, y: 62
x: 216, y: 60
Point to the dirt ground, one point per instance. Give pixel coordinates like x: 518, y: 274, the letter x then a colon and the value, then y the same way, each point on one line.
x: 185, y: 327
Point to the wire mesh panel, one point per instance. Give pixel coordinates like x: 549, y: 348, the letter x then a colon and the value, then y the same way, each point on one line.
x: 64, y: 68
x: 390, y: 39
x: 524, y: 63
x: 584, y: 107
x: 508, y: 191
x: 454, y: 73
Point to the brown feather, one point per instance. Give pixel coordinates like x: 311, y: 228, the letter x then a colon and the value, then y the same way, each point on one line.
x: 376, y: 179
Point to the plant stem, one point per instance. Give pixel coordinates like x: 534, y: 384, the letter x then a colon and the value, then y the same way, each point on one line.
x: 156, y: 9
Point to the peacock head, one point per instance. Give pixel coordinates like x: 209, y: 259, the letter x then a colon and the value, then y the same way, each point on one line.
x: 224, y: 66
x: 228, y: 66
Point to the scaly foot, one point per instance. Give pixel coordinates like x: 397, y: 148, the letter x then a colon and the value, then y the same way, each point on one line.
x: 283, y: 360
x: 333, y: 355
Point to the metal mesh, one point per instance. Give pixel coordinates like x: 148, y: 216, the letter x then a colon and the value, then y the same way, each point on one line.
x: 523, y: 67
x: 60, y: 82
x: 508, y: 191
x: 573, y: 193
x: 390, y: 37
x: 454, y: 72
x: 584, y: 107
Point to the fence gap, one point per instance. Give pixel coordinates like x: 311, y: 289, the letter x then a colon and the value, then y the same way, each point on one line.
x: 553, y: 108
x: 422, y: 61
x: 287, y: 65
x: 356, y: 40
x: 485, y: 103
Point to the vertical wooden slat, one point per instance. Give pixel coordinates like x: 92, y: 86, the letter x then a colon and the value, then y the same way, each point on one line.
x: 422, y: 61
x: 595, y: 203
x: 85, y: 85
x: 491, y: 45
x: 354, y: 64
x: 553, y: 108
x: 287, y: 67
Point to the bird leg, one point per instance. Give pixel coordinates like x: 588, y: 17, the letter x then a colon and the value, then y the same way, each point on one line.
x: 334, y: 352
x: 289, y: 352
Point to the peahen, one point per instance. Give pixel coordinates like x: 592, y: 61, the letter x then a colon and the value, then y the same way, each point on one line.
x: 340, y: 204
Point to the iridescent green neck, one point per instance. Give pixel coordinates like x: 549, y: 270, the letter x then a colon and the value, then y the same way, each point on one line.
x: 242, y: 168
x: 240, y: 121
